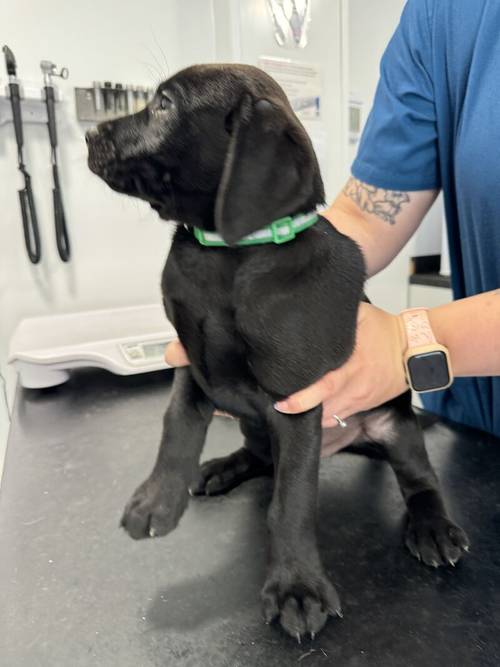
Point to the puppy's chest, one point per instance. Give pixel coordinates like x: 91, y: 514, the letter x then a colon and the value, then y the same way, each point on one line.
x: 204, y: 315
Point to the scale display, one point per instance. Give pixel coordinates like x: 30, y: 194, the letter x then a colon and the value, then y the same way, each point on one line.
x: 144, y: 352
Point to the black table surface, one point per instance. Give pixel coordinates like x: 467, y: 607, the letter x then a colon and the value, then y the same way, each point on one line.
x: 76, y: 590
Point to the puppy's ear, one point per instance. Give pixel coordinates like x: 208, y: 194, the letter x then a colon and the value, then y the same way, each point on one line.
x: 270, y: 169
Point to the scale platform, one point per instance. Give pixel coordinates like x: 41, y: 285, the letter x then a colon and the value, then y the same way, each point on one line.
x: 124, y: 341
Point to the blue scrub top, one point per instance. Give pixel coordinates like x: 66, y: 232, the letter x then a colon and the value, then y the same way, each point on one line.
x: 435, y: 123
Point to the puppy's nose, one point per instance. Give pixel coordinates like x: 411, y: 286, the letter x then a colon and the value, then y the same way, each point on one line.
x: 91, y: 134
x: 103, y: 131
x: 101, y: 147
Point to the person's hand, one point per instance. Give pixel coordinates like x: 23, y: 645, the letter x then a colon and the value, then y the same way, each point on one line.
x: 372, y: 375
x: 175, y: 354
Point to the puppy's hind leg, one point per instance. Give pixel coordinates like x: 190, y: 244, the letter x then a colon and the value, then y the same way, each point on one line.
x: 252, y: 460
x: 431, y: 536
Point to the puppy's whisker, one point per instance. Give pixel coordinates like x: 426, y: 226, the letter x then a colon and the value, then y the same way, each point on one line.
x: 161, y: 51
x: 158, y: 64
x: 154, y: 74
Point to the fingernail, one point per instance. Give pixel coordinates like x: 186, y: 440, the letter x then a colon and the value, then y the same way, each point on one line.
x: 281, y: 406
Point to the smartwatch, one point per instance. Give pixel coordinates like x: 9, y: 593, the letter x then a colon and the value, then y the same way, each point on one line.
x: 427, y: 363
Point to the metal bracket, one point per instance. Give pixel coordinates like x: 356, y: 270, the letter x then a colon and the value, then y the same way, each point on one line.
x: 33, y: 101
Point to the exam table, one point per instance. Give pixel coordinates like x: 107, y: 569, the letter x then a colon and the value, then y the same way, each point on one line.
x: 77, y: 591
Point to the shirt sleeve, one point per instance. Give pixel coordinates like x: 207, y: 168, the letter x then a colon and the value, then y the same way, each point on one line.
x: 399, y: 146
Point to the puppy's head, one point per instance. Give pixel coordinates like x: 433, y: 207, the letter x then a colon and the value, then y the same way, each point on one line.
x: 218, y: 147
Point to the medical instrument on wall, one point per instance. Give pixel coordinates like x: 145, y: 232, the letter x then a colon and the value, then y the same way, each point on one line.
x: 108, y: 97
x: 97, y: 95
x: 26, y: 198
x: 62, y: 239
x: 120, y: 100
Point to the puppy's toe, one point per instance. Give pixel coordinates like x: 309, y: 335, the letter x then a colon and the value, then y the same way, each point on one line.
x: 135, y: 522
x: 436, y: 541
x: 223, y: 474
x: 293, y: 619
x: 155, y: 508
x: 303, y: 616
x: 213, y: 479
x: 302, y: 602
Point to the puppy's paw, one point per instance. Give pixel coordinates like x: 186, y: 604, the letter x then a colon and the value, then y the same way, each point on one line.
x: 302, y: 599
x: 436, y: 540
x: 223, y: 474
x: 156, y: 507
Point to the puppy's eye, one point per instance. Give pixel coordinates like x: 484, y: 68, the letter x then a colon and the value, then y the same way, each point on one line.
x: 165, y: 102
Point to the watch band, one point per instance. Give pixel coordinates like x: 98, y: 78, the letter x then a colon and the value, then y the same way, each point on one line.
x: 418, y: 328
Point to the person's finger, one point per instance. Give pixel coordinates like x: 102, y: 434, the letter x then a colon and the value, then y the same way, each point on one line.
x: 175, y: 354
x: 309, y: 398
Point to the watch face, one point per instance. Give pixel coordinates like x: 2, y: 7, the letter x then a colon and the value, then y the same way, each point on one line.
x: 429, y: 371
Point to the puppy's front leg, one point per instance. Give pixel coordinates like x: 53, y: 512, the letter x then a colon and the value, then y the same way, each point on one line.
x: 297, y: 588
x: 158, y: 504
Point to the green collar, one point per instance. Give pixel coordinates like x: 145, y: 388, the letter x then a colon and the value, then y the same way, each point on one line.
x: 279, y: 231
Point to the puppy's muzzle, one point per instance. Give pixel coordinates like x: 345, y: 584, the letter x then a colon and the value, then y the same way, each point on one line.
x: 102, y: 151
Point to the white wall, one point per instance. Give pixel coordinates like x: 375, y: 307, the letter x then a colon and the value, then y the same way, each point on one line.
x: 371, y: 25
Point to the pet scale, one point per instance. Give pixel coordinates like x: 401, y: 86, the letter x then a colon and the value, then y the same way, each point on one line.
x: 124, y: 341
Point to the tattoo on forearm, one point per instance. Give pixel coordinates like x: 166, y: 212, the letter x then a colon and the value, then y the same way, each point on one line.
x: 385, y: 204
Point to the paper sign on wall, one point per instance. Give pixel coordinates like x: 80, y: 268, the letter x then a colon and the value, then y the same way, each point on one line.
x: 301, y: 82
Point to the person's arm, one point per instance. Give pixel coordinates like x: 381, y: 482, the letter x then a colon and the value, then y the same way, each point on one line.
x: 470, y: 329
x: 380, y: 221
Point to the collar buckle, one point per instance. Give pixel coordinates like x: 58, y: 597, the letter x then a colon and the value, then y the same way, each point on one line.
x: 282, y: 230
x: 199, y: 235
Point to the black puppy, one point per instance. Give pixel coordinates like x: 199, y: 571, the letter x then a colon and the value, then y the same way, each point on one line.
x: 220, y: 149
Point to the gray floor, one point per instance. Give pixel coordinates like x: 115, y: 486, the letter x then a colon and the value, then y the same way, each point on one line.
x: 77, y: 591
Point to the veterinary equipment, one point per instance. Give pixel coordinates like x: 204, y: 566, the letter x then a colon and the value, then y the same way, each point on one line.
x: 107, y: 101
x: 26, y: 199
x: 124, y: 341
x: 97, y: 96
x: 62, y: 239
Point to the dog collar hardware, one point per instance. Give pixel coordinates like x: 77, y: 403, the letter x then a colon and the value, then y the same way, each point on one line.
x: 279, y: 231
